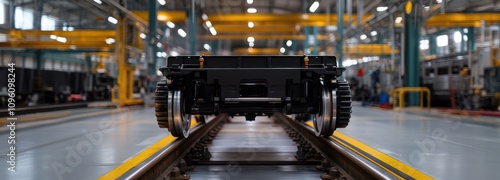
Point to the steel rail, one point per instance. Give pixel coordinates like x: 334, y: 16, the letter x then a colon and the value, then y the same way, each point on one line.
x: 344, y: 159
x: 156, y: 166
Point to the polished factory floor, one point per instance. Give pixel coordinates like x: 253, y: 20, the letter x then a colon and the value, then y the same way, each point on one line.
x: 442, y: 146
x: 82, y: 147
x: 71, y: 147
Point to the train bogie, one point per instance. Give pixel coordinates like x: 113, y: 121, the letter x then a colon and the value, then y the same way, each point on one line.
x: 251, y: 86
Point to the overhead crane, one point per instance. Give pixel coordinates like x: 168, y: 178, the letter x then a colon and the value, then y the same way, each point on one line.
x: 353, y: 50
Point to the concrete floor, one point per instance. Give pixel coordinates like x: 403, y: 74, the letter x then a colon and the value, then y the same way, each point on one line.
x: 81, y: 148
x: 444, y: 147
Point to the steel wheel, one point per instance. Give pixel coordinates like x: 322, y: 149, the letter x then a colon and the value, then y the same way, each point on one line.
x: 181, y: 122
x: 324, y: 121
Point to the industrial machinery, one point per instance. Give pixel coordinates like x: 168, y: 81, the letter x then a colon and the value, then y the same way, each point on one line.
x: 450, y: 88
x: 441, y: 75
x: 51, y: 86
x: 99, y: 86
x: 307, y: 87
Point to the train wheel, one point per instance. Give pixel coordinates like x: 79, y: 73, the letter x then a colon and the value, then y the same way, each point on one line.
x: 344, y: 106
x: 161, y: 104
x: 180, y: 124
x: 324, y: 121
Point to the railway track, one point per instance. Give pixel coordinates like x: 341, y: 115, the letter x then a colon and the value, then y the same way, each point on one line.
x: 269, y: 148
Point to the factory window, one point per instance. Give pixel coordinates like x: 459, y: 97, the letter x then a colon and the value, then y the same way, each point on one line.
x: 29, y: 63
x: 2, y: 13
x: 48, y: 23
x: 23, y: 18
x: 424, y: 44
x: 442, y: 45
x: 442, y: 40
x: 457, y: 38
x: 48, y: 65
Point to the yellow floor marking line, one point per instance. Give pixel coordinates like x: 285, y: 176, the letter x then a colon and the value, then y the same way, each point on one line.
x: 408, y: 170
x: 142, y: 156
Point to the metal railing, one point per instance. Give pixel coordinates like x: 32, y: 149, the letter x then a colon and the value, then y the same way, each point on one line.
x: 398, y: 96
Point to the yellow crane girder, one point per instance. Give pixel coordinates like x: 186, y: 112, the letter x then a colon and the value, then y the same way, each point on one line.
x: 256, y: 51
x: 299, y: 19
x: 243, y: 28
x: 259, y: 37
x: 173, y: 16
x: 368, y: 50
x: 36, y: 39
x: 462, y: 19
x: 358, y: 50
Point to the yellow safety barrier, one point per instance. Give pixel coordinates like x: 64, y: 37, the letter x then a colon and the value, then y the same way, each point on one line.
x: 400, y: 92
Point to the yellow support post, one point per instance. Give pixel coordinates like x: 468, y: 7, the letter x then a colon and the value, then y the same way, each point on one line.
x: 125, y: 71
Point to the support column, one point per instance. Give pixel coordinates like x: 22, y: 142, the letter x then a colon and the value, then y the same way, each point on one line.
x: 88, y: 63
x: 12, y: 14
x: 470, y: 39
x: 37, y: 16
x: 39, y: 59
x: 315, y: 44
x: 294, y: 47
x: 411, y: 54
x: 192, y: 25
x: 463, y: 44
x: 215, y: 47
x: 307, y: 33
x: 432, y: 44
x: 153, y: 13
x: 340, y: 31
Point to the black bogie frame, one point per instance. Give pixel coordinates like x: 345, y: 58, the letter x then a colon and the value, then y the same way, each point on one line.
x: 251, y: 85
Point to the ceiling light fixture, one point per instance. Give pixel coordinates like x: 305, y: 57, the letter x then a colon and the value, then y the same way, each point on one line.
x: 251, y: 39
x: 398, y: 20
x: 251, y: 24
x: 171, y: 25
x: 314, y: 6
x: 112, y: 20
x: 250, y: 1
x: 208, y: 23
x: 289, y: 43
x: 61, y: 39
x: 213, y: 31
x: 363, y: 37
x: 251, y: 10
x: 110, y: 41
x: 181, y: 33
x: 382, y: 8
x: 207, y: 47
